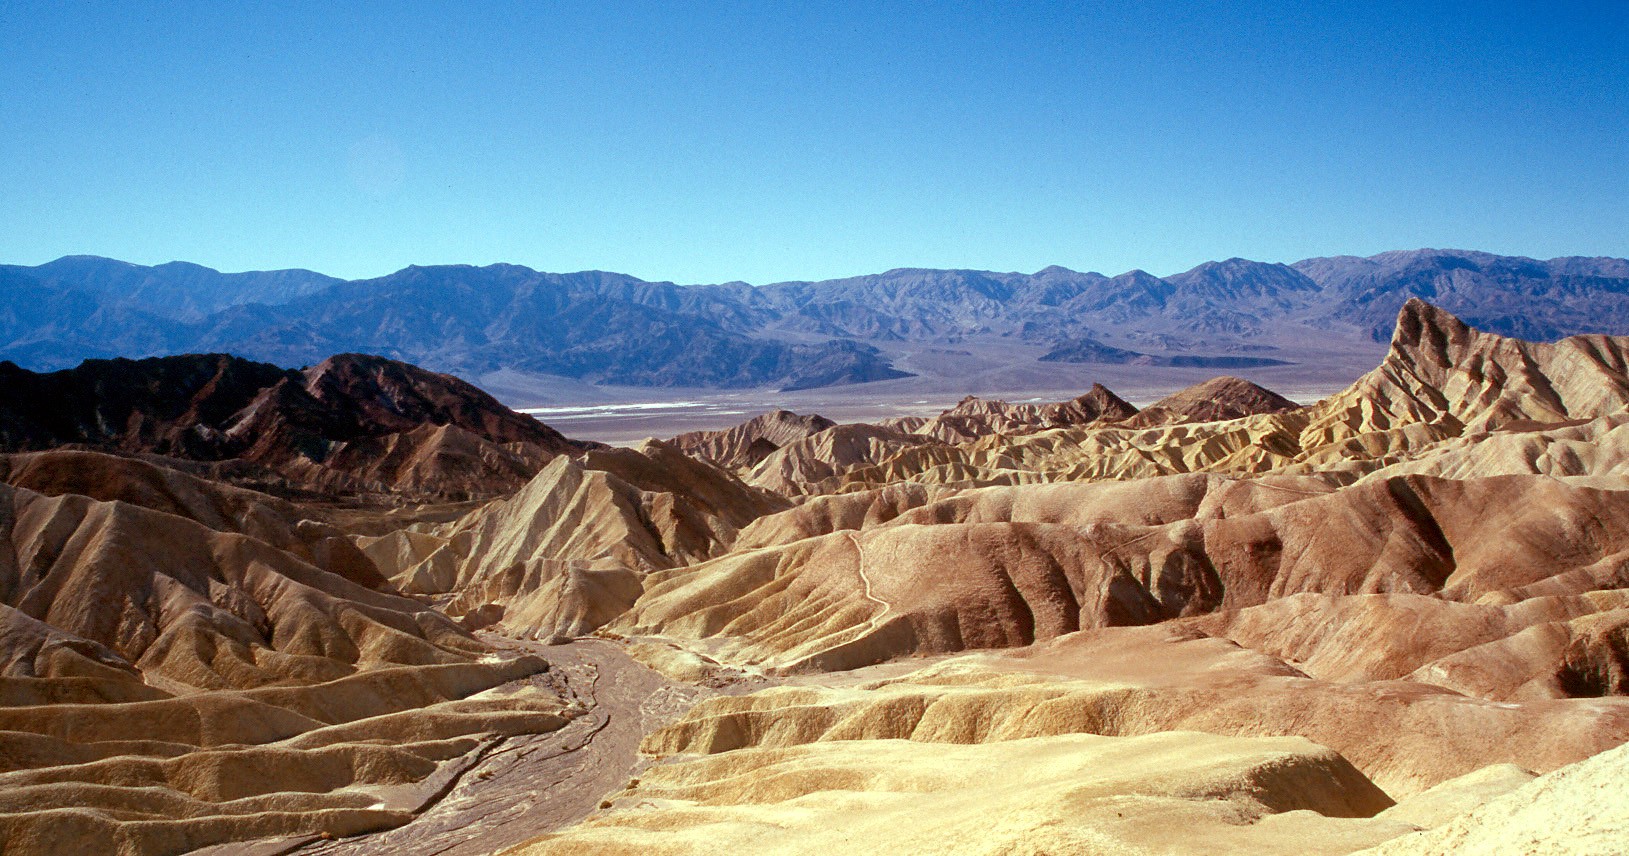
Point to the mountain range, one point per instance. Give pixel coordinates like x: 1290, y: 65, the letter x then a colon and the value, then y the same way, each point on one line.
x: 610, y: 328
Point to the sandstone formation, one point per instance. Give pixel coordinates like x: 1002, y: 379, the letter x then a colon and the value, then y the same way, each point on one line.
x: 924, y: 757
x: 1423, y: 574
x: 1440, y: 371
x: 1007, y: 566
x: 1408, y: 737
x: 747, y: 444
x: 567, y: 553
x: 221, y: 507
x: 1577, y: 809
x: 794, y: 468
x: 1067, y: 794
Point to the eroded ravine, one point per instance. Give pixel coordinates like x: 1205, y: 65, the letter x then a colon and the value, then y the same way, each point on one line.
x: 526, y: 786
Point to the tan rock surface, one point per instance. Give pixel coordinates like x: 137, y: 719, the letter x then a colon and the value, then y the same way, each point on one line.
x: 1406, y: 737
x: 793, y: 468
x: 1580, y: 809
x: 1440, y: 370
x: 973, y: 418
x: 1439, y: 381
x: 1227, y: 624
x: 566, y: 553
x: 749, y: 443
x: 1159, y: 793
x: 220, y: 507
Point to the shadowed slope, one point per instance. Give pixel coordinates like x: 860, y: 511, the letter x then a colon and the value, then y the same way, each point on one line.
x: 218, y: 506
x: 354, y: 424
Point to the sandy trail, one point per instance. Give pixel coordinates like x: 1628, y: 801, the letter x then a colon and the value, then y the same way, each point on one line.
x: 864, y: 578
x: 526, y: 786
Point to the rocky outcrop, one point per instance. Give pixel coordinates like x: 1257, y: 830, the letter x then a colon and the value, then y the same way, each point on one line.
x: 1009, y: 566
x: 747, y: 444
x: 1223, y: 624
x: 792, y: 765
x: 973, y: 418
x: 792, y: 469
x: 1441, y: 372
x: 568, y: 552
x: 1442, y: 387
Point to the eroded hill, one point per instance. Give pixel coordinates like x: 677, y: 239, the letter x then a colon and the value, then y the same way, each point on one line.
x: 351, y: 424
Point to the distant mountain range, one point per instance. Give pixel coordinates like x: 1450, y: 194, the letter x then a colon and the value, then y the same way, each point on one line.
x: 615, y: 329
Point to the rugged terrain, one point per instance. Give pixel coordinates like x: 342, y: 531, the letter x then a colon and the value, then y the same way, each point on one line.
x: 352, y: 424
x: 1394, y: 619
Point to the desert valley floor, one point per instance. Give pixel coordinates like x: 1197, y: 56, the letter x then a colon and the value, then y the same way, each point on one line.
x: 366, y: 608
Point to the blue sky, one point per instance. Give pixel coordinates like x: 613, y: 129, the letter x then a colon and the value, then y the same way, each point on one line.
x: 764, y: 142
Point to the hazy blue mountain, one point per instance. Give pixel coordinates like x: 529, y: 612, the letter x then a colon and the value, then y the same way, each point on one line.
x: 178, y: 290
x: 612, y: 328
x: 601, y: 327
x: 1509, y: 295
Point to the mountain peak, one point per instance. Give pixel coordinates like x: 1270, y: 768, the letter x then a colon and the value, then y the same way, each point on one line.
x: 1419, y: 322
x: 1224, y: 397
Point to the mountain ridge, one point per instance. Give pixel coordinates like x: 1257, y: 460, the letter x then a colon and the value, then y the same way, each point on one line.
x: 610, y: 328
x: 352, y: 424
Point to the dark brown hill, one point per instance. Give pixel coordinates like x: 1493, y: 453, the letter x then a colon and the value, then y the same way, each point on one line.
x: 1217, y: 398
x: 351, y: 424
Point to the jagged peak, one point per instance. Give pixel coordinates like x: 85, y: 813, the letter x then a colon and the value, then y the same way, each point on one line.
x: 1419, y: 322
x: 1102, y: 395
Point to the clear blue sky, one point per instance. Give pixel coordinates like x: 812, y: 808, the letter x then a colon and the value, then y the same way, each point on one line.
x: 768, y: 141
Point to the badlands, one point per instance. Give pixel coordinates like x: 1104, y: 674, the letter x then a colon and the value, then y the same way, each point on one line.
x: 364, y: 608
